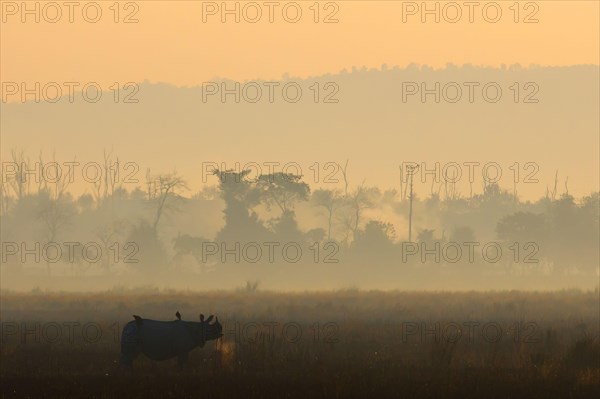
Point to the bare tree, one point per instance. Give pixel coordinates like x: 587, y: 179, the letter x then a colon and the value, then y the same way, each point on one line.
x: 164, y: 189
x: 55, y: 184
x: 357, y: 202
x: 5, y: 198
x: 345, y: 176
x: 18, y: 183
x: 104, y: 186
x: 106, y: 234
x: 331, y: 201
x: 56, y: 214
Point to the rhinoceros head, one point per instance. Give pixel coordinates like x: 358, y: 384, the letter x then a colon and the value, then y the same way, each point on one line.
x: 209, y: 331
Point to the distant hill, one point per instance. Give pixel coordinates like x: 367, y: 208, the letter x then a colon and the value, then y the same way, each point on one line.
x: 172, y: 127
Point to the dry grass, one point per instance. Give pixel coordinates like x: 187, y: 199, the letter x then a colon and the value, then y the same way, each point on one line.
x: 365, y: 351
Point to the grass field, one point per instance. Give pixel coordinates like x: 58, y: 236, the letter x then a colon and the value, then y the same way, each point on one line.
x: 331, y: 344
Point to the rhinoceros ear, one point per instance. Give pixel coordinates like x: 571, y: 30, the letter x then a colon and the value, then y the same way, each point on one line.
x: 210, y: 318
x: 201, y: 317
x: 138, y: 320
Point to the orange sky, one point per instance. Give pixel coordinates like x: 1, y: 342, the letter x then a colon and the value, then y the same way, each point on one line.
x: 170, y: 43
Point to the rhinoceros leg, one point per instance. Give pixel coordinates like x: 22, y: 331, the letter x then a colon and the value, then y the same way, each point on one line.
x: 130, y: 344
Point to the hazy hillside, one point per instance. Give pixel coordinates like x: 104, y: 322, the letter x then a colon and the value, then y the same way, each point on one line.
x: 171, y: 127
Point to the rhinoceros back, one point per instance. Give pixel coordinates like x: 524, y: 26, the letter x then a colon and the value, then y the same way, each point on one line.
x: 160, y: 340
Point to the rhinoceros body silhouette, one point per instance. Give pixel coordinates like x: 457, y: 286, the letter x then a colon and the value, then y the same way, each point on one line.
x: 162, y: 340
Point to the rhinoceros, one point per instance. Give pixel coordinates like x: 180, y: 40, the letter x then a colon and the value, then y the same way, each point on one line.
x: 162, y: 340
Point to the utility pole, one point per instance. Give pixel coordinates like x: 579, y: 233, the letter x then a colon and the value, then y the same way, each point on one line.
x: 411, y: 171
